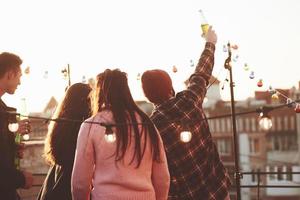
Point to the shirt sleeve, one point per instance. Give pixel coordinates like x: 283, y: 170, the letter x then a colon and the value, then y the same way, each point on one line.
x: 199, y: 80
x: 83, y: 164
x: 160, y: 175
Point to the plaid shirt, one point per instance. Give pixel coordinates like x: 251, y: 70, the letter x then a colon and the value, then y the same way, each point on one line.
x: 195, y: 167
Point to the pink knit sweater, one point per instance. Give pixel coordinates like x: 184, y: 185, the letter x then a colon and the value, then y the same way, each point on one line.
x: 94, y: 166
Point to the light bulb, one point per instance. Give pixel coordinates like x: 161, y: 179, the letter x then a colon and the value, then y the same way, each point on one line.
x: 265, y: 122
x: 251, y: 76
x: 174, y: 69
x: 26, y: 137
x: 110, y: 138
x: 13, y: 127
x: 185, y: 136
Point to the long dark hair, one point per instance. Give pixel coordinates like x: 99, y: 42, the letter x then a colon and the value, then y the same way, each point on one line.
x: 61, y: 139
x: 113, y: 93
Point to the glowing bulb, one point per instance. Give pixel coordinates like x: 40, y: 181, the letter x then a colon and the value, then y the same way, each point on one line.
x: 110, y: 138
x: 185, y: 136
x: 265, y: 122
x: 246, y: 67
x: 13, y: 127
x: 26, y: 137
x: 251, y: 76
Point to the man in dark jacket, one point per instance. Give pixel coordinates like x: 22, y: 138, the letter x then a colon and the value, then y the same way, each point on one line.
x: 10, y: 177
x: 195, y: 167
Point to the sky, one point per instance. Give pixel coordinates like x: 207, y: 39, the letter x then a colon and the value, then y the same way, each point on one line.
x: 137, y: 35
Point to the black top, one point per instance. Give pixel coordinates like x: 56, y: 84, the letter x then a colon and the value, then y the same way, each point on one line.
x: 10, y: 177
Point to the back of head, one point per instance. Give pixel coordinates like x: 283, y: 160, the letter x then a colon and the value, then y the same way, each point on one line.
x: 157, y: 86
x: 62, y: 136
x: 113, y: 93
x: 9, y: 61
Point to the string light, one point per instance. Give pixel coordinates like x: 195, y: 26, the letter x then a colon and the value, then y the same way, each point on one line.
x: 185, y: 136
x: 13, y: 127
x: 174, y: 69
x: 225, y: 48
x: 246, y: 67
x: 265, y: 121
x: 260, y: 83
x: 251, y: 76
x: 110, y: 136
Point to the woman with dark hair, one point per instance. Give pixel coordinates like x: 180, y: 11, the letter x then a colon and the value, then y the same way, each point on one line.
x: 119, y: 153
x: 61, y: 141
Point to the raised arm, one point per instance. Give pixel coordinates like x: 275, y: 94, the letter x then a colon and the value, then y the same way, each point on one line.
x: 199, y: 80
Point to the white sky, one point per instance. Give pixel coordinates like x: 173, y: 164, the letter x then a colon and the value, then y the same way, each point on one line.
x: 136, y: 35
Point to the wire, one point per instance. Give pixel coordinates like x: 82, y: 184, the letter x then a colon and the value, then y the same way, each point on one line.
x: 257, y: 110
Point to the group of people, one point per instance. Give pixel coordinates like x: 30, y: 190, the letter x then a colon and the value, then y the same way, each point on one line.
x: 118, y: 152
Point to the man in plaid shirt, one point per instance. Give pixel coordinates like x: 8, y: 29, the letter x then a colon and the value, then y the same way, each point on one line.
x: 195, y: 167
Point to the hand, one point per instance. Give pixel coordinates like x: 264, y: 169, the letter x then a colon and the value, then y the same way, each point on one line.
x: 28, y: 180
x: 24, y: 127
x: 211, y: 36
x: 20, y: 150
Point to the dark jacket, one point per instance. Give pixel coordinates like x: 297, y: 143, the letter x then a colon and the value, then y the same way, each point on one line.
x: 57, y: 184
x: 10, y: 177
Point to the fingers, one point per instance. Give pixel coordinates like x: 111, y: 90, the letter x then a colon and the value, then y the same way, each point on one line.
x: 24, y: 126
x: 20, y: 150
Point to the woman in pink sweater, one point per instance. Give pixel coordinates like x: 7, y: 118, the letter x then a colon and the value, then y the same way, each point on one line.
x: 120, y: 155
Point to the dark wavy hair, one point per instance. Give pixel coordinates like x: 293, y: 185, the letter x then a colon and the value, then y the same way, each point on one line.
x: 113, y: 93
x: 61, y: 139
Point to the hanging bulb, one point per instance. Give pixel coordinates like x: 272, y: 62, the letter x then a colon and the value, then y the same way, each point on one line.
x: 297, y: 108
x: 260, y: 83
x: 224, y: 48
x: 204, y: 23
x: 251, y: 76
x: 65, y: 73
x: 174, y: 69
x: 27, y: 70
x: 138, y: 76
x: 83, y: 80
x: 185, y: 136
x: 289, y: 102
x: 26, y: 137
x: 110, y: 136
x: 235, y: 47
x: 235, y: 58
x: 192, y: 63
x: 246, y: 67
x: 265, y: 121
x: 13, y: 127
x: 271, y: 90
x: 45, y: 74
x: 275, y: 96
